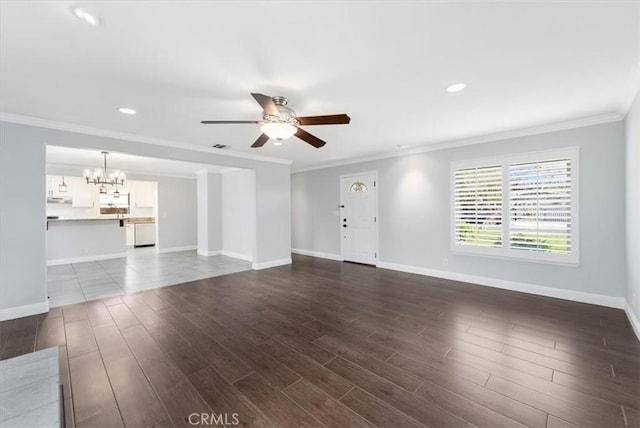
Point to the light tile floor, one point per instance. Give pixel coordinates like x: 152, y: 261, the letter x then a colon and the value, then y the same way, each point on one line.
x: 140, y: 270
x: 30, y: 390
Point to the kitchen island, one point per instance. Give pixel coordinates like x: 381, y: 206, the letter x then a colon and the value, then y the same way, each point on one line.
x: 77, y: 240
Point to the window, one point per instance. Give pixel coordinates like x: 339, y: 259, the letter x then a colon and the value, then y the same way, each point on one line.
x: 521, y: 206
x: 358, y: 186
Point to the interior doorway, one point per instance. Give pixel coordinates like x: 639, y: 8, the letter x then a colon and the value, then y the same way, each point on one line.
x: 359, y: 217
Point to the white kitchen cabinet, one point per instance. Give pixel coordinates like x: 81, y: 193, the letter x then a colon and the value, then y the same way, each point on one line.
x: 130, y: 232
x: 53, y: 187
x: 143, y: 193
x: 83, y: 195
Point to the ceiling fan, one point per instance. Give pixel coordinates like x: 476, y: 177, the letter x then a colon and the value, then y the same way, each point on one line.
x: 280, y: 122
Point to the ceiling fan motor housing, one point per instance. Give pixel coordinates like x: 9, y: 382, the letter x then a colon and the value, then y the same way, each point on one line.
x: 287, y: 115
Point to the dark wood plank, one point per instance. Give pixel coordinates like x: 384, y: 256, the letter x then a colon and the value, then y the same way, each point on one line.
x: 570, y: 412
x: 225, y: 399
x: 327, y: 410
x: 80, y: 338
x: 50, y: 333
x: 280, y: 410
x: 229, y: 365
x: 19, y: 336
x: 513, y: 409
x: 137, y: 402
x: 464, y: 408
x: 408, y: 403
x: 387, y: 371
x: 314, y: 373
x: 176, y: 393
x: 93, y: 401
x: 271, y: 370
x: 182, y: 354
x: 123, y: 316
x: 377, y: 411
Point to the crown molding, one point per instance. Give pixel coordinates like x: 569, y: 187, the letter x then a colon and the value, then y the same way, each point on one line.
x: 505, y: 135
x: 633, y: 89
x: 79, y: 129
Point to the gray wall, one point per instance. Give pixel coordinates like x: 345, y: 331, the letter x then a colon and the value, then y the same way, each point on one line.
x: 273, y: 215
x: 209, y: 212
x: 414, y: 211
x: 633, y: 207
x: 238, y: 212
x: 176, y: 212
x: 22, y: 222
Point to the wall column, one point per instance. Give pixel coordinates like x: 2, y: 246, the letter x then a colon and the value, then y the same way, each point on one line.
x: 209, y: 196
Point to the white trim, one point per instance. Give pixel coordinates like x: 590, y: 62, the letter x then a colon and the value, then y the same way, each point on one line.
x: 56, y: 262
x: 535, y: 130
x: 635, y: 324
x: 236, y: 255
x: 329, y: 256
x: 70, y: 127
x: 24, y: 311
x: 178, y: 249
x: 558, y: 293
x: 208, y: 253
x: 273, y: 263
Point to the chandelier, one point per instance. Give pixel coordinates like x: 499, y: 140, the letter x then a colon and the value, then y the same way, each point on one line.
x: 103, y: 178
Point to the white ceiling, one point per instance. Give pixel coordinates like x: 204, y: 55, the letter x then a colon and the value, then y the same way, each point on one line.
x: 386, y: 64
x: 81, y: 159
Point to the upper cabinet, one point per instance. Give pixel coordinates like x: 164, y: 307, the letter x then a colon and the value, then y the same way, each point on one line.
x: 83, y: 195
x: 141, y: 193
x: 53, y: 187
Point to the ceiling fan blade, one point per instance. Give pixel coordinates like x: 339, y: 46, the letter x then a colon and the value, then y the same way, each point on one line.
x: 267, y: 104
x: 308, y: 138
x: 331, y: 119
x: 262, y: 139
x: 213, y: 122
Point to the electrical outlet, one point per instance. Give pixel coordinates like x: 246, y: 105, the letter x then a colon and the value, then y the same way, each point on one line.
x: 445, y: 262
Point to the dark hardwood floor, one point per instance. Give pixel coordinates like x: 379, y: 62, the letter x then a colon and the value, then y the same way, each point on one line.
x: 323, y: 343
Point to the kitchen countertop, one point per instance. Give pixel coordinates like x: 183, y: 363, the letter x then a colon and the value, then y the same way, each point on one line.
x: 130, y: 220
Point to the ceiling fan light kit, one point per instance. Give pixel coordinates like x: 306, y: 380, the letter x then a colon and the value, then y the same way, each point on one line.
x: 280, y: 122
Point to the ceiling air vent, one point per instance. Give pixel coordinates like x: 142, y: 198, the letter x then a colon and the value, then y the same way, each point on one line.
x: 220, y: 146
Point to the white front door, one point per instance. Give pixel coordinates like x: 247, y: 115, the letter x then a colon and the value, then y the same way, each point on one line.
x: 358, y: 221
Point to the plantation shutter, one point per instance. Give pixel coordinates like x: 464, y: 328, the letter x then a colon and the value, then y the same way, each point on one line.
x: 478, y: 206
x: 540, y: 198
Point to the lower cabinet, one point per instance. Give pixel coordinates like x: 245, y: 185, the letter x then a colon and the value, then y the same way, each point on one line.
x: 130, y: 232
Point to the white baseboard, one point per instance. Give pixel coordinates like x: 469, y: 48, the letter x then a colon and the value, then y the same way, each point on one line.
x: 329, y: 256
x: 632, y: 319
x: 57, y: 262
x: 208, y: 253
x: 576, y: 296
x: 178, y: 249
x: 267, y: 265
x: 237, y: 255
x: 24, y: 311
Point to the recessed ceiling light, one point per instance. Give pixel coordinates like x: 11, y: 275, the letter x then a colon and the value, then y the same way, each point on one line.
x: 403, y: 146
x: 456, y: 87
x: 126, y: 110
x: 277, y: 143
x: 85, y: 16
